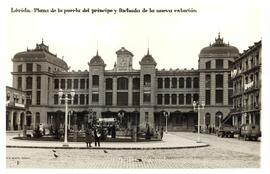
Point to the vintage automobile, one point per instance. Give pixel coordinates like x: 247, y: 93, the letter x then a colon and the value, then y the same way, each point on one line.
x: 250, y: 132
x: 226, y: 130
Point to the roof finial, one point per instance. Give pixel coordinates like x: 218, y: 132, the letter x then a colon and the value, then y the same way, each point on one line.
x: 219, y: 35
x: 97, y: 47
x: 148, y: 47
x: 42, y: 40
x: 97, y: 52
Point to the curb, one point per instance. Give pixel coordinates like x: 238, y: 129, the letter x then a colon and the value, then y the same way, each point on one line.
x: 110, y: 148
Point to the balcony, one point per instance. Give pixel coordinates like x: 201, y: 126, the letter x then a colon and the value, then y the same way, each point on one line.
x: 13, y: 104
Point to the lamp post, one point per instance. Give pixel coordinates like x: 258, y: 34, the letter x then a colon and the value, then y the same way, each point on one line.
x: 166, y: 114
x: 66, y: 99
x: 197, y: 105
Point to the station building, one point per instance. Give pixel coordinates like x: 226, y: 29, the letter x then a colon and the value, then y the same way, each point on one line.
x: 134, y: 97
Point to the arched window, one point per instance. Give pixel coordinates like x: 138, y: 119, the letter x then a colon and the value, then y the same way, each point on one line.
x: 63, y: 84
x: 174, y: 99
x: 95, y: 81
x: 122, y: 83
x: 195, y: 97
x: 160, y: 83
x: 147, y: 80
x: 188, y: 99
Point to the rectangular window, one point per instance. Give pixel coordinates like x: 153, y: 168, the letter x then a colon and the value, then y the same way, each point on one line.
x: 207, y: 80
x: 188, y: 99
x: 38, y: 97
x: 95, y: 81
x: 82, y: 83
x: 29, y: 97
x: 219, y: 81
x: 136, y: 98
x: 56, y: 84
x: 188, y: 82
x: 174, y: 82
x: 38, y: 68
x: 95, y: 97
x: 181, y: 82
x: 19, y: 82
x: 219, y: 96
x: 230, y: 93
x: 136, y: 83
x: 174, y: 100
x: 87, y: 99
x: 146, y: 97
x: 38, y: 82
x: 122, y: 98
x: 167, y: 82
x: 29, y: 67
x: 160, y: 83
x: 208, y: 65
x: 69, y: 83
x: 76, y: 83
x: 29, y: 82
x: 62, y: 99
x: 159, y: 99
x: 167, y: 99
x: 82, y: 99
x: 109, y: 84
x: 56, y: 99
x: 108, y: 98
x: 181, y: 99
x: 207, y: 97
x: 230, y: 81
x: 219, y: 63
x: 63, y: 84
x: 87, y: 83
x: 19, y: 68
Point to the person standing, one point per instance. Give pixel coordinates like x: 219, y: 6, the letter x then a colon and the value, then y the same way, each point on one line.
x: 97, y: 138
x: 88, y: 137
x: 161, y: 133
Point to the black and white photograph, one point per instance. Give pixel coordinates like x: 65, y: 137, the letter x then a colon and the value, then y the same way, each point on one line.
x: 134, y: 85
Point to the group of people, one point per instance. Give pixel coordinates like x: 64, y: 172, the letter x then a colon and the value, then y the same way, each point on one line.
x: 92, y: 134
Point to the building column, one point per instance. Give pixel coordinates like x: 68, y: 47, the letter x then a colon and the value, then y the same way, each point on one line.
x: 19, y: 120
x: 114, y: 95
x: 11, y: 120
x: 130, y: 91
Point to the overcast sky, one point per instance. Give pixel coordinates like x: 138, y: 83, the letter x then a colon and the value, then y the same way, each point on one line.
x: 175, y: 39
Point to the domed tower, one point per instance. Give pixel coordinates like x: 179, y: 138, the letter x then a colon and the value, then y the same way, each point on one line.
x: 147, y: 92
x: 96, y: 85
x: 33, y: 72
x: 215, y: 63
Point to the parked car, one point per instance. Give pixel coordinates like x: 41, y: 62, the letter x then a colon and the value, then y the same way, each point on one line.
x: 250, y: 132
x: 226, y: 130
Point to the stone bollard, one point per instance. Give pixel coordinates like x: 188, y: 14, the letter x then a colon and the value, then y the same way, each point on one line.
x: 24, y: 130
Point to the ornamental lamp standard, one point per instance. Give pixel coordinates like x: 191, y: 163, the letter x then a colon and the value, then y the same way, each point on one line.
x: 197, y: 105
x: 66, y: 99
x: 166, y: 114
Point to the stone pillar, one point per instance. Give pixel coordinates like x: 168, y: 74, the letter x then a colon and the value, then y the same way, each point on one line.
x: 213, y: 89
x: 114, y: 91
x: 11, y: 120
x: 130, y: 91
x: 19, y: 121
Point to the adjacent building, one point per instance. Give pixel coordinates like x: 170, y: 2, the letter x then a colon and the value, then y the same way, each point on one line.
x: 134, y: 97
x: 246, y: 76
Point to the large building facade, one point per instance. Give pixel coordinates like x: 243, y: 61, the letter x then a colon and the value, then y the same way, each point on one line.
x: 135, y: 97
x: 247, y: 86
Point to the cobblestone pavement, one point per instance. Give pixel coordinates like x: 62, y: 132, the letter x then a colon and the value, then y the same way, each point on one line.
x: 222, y: 153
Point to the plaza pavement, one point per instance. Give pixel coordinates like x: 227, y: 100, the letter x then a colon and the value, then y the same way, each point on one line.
x: 170, y: 141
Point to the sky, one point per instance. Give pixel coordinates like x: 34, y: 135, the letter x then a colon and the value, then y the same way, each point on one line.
x: 174, y: 39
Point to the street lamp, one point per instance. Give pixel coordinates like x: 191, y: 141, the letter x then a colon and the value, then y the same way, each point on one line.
x: 166, y: 114
x: 66, y: 99
x: 197, y: 105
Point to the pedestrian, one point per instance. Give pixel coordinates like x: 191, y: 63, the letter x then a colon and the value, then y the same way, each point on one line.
x: 88, y: 137
x: 97, y: 137
x: 161, y: 133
